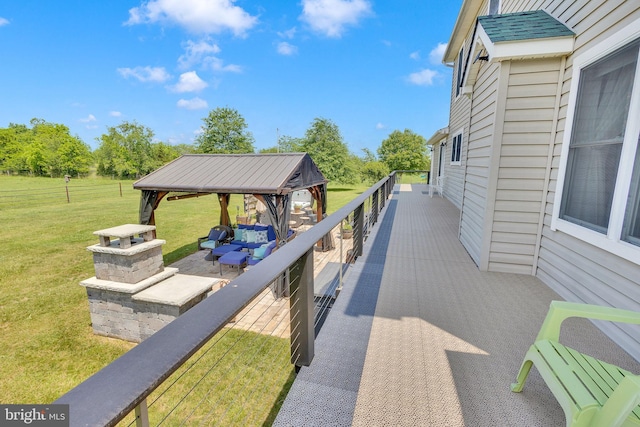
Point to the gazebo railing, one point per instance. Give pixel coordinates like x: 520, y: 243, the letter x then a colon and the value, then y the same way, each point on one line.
x: 122, y: 387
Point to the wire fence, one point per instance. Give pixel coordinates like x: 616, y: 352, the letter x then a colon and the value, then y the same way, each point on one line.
x: 61, y: 194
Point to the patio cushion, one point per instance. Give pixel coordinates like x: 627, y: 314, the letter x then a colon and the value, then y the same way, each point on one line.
x: 271, y: 233
x: 262, y: 236
x: 259, y: 252
x: 217, y: 234
x: 249, y: 236
x: 238, y: 233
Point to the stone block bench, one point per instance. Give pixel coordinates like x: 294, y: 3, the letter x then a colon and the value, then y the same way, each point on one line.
x: 160, y: 304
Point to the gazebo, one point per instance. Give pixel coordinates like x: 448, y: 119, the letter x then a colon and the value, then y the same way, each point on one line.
x: 271, y: 178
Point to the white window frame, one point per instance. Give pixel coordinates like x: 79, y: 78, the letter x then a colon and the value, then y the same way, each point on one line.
x: 489, y: 7
x: 611, y: 241
x: 459, y: 70
x: 460, y: 135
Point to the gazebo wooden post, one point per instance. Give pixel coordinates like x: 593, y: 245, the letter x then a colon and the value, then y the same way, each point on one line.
x: 152, y: 219
x: 317, y: 196
x: 223, y: 198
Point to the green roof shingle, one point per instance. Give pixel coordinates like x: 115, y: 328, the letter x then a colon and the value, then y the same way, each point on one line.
x: 536, y: 24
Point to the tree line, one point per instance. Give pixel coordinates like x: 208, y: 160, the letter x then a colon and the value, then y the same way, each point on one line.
x: 128, y: 150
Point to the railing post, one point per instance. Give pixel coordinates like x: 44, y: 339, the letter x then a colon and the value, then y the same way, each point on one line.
x: 302, y: 311
x: 375, y: 199
x: 142, y: 414
x: 358, y: 230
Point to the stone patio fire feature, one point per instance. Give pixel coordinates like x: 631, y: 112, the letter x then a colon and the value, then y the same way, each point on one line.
x: 132, y: 294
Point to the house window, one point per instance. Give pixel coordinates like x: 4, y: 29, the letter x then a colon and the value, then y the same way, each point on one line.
x: 494, y: 7
x: 459, y: 72
x: 599, y: 180
x: 456, y: 148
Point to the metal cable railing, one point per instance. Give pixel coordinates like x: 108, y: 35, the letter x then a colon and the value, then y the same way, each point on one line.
x: 180, y: 369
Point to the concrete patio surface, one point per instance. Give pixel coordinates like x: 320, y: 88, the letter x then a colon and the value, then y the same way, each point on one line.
x: 420, y: 337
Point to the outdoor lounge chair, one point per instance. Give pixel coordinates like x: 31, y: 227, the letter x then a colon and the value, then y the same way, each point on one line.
x: 591, y: 392
x: 218, y: 235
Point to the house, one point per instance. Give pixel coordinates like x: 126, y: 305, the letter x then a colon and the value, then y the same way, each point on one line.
x: 541, y: 150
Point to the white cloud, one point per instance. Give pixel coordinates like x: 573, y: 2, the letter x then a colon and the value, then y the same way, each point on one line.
x: 330, y: 17
x: 423, y: 78
x: 3, y: 21
x: 197, y: 16
x: 193, y: 104
x: 189, y: 82
x: 380, y: 126
x: 289, y: 34
x: 115, y: 114
x: 197, y: 52
x: 145, y: 74
x: 89, y: 119
x: 415, y: 55
x: 217, y: 64
x: 285, y: 48
x: 436, y: 55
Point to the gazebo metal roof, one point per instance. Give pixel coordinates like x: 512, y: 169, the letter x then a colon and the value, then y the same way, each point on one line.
x: 235, y: 174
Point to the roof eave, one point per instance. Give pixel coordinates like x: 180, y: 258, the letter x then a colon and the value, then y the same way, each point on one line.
x: 466, y: 20
x: 438, y: 135
x: 526, y: 49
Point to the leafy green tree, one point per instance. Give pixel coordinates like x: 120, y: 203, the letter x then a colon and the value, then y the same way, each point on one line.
x: 162, y: 154
x: 323, y: 142
x: 125, y: 151
x: 286, y: 144
x: 44, y: 149
x: 224, y: 132
x: 404, y: 151
x: 374, y: 171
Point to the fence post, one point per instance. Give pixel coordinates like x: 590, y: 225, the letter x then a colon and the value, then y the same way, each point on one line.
x: 302, y: 311
x: 120, y: 184
x: 66, y: 187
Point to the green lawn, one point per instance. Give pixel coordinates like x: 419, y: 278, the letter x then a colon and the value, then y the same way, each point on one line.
x: 46, y: 342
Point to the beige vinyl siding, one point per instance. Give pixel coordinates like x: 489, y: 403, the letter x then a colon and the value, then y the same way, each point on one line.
x: 479, y: 150
x: 530, y: 107
x: 458, y: 120
x: 575, y: 269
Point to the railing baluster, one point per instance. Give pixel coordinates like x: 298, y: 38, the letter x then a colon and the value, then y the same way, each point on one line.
x: 142, y: 414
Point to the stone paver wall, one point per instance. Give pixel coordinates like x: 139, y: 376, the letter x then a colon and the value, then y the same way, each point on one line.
x: 128, y: 269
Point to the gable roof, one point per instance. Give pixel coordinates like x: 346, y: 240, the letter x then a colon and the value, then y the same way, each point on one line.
x: 235, y: 174
x: 535, y: 24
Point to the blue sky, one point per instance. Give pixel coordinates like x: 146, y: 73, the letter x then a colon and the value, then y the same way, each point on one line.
x: 369, y: 66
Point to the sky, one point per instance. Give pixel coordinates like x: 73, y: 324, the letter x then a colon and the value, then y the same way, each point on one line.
x: 369, y: 66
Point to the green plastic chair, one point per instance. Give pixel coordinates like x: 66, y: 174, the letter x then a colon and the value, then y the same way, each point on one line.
x: 591, y: 392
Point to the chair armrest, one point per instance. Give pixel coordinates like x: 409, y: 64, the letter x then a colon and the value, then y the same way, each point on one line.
x: 624, y: 399
x: 561, y: 310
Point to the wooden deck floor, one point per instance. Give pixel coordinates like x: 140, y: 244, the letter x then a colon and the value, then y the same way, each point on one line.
x: 266, y: 314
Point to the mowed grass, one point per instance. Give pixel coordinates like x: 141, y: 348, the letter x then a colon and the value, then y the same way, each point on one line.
x: 46, y: 341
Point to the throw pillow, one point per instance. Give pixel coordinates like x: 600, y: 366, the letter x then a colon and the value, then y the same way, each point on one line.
x: 249, y: 236
x: 261, y: 236
x: 259, y: 252
x: 237, y: 234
